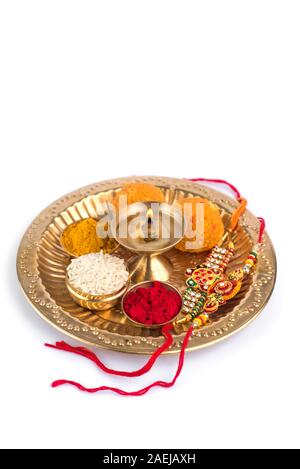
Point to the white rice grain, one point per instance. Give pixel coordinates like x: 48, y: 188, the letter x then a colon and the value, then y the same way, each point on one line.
x: 97, y: 274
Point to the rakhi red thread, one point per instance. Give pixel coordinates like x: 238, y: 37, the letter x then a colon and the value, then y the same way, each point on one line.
x: 152, y: 305
x: 84, y: 352
x: 240, y: 209
x: 140, y: 392
x: 219, y: 181
x: 261, y: 228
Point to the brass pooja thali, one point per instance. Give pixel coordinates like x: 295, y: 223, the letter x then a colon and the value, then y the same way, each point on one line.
x: 42, y: 263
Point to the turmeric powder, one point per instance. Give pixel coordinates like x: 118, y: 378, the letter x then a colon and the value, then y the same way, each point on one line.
x: 81, y: 238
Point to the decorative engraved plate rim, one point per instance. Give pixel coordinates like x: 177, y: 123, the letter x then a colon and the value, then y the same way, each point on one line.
x: 36, y: 293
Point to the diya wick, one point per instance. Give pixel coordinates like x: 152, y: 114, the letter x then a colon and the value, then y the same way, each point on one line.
x: 148, y: 225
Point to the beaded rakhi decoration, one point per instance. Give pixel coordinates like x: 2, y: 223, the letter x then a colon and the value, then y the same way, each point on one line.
x: 209, y: 287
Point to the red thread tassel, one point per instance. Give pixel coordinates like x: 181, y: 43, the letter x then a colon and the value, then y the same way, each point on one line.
x: 93, y: 357
x: 142, y: 391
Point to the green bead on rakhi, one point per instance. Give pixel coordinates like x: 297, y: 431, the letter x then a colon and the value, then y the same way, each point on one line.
x: 191, y: 283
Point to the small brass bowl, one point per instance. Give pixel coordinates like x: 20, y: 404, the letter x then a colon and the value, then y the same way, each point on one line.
x: 148, y: 283
x: 95, y: 302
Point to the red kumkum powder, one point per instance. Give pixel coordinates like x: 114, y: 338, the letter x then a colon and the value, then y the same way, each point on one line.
x: 152, y: 305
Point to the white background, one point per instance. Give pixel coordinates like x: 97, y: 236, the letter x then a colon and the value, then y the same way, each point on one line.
x: 92, y: 90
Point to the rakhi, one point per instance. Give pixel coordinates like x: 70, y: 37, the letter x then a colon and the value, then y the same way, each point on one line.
x: 209, y: 287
